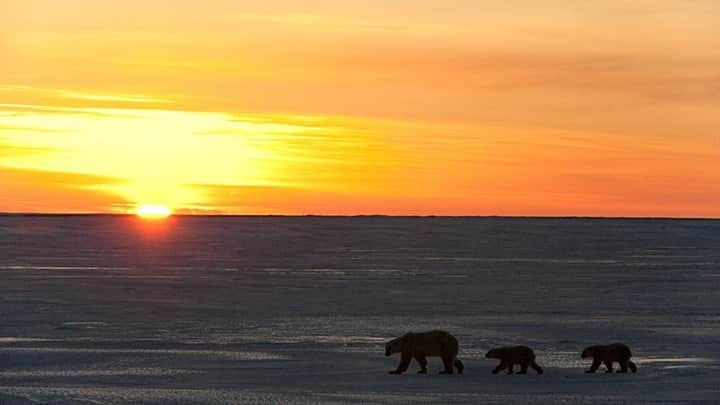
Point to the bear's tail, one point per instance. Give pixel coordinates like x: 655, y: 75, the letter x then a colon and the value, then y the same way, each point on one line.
x: 459, y: 366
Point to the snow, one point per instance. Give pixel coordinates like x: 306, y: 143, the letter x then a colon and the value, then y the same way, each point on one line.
x: 99, y: 309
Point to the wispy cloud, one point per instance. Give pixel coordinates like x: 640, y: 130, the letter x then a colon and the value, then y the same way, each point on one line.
x: 24, y: 94
x: 28, y: 190
x: 129, y: 98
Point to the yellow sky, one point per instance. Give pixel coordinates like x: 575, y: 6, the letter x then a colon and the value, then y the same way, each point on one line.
x: 406, y: 107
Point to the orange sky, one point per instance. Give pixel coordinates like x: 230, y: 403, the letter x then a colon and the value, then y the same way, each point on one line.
x: 464, y: 107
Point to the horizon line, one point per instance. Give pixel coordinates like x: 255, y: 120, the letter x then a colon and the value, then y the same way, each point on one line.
x: 110, y: 214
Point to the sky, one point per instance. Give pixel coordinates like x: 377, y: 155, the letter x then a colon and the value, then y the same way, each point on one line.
x: 403, y: 107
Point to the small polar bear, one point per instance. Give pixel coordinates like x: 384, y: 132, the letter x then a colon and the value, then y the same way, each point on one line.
x: 511, y: 355
x: 613, y: 353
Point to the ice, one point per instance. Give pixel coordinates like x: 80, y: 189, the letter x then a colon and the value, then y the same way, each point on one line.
x: 82, y: 325
x: 98, y: 309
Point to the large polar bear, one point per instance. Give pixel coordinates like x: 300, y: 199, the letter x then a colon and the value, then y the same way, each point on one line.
x: 419, y: 346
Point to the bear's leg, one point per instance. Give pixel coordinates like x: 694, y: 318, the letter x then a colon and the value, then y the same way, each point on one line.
x: 536, y: 367
x: 595, y: 365
x: 510, y: 367
x: 623, y: 366
x: 422, y: 361
x: 448, y: 362
x: 459, y: 366
x: 404, y: 363
x: 632, y: 366
x: 500, y: 367
x: 609, y: 365
x: 523, y: 368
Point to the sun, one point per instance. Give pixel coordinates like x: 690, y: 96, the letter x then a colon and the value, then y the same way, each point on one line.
x: 153, y: 211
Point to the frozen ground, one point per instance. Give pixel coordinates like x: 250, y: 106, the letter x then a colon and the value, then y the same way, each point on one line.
x: 296, y: 310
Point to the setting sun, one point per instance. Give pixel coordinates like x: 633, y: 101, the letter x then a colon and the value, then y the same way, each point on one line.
x: 153, y: 211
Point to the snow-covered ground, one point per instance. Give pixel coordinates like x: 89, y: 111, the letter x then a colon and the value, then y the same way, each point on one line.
x: 296, y: 310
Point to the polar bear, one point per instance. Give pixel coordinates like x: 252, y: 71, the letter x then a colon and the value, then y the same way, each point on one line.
x: 419, y: 346
x: 511, y: 355
x: 616, y: 352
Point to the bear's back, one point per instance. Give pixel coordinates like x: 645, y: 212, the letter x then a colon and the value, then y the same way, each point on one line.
x: 434, y: 342
x: 518, y: 353
x: 619, y: 350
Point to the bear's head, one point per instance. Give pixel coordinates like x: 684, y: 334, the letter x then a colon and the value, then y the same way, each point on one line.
x: 394, y: 346
x: 493, y: 354
x: 589, y: 352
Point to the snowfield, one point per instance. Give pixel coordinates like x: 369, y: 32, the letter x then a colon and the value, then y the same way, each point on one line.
x: 270, y: 310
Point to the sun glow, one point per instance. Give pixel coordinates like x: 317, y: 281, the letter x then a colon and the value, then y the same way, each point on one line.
x: 153, y: 211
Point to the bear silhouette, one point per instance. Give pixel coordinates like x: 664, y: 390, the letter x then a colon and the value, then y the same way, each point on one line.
x: 609, y: 354
x: 419, y: 346
x: 511, y: 355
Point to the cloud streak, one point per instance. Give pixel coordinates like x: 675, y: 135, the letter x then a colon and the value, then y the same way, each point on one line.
x: 28, y: 190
